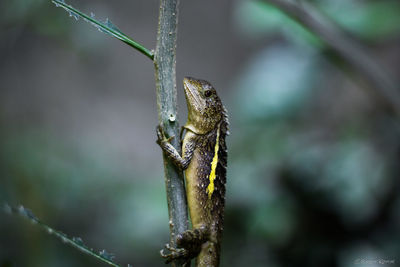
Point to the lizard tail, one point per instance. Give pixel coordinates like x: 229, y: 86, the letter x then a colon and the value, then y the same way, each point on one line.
x: 208, y: 256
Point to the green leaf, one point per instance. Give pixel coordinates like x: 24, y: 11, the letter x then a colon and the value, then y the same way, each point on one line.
x: 255, y: 19
x: 106, y: 27
x: 367, y: 19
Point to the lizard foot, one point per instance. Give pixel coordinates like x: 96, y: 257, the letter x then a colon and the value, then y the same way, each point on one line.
x: 188, y: 245
x: 175, y: 254
x: 161, y: 137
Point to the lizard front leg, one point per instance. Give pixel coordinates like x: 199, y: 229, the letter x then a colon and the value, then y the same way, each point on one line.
x: 181, y: 161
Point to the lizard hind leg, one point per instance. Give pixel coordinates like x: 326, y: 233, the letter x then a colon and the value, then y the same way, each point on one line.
x: 192, y: 240
x: 189, y: 245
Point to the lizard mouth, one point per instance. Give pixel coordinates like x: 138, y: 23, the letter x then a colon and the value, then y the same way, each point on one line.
x: 192, y: 93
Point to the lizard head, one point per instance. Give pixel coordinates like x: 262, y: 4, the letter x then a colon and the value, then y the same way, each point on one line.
x: 205, y: 109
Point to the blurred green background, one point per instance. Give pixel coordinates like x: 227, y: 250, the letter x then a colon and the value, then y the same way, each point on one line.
x: 313, y: 176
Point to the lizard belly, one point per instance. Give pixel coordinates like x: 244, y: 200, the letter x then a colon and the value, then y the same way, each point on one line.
x: 196, y: 186
x: 200, y: 206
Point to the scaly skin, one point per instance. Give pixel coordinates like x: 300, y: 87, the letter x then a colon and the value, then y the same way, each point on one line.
x: 204, y: 159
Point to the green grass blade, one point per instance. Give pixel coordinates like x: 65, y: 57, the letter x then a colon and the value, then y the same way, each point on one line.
x: 75, y: 242
x: 106, y: 27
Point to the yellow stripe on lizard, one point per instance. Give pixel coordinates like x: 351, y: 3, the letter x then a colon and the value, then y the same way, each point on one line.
x: 210, y: 188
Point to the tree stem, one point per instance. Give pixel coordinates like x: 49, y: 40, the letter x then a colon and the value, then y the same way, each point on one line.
x: 164, y: 62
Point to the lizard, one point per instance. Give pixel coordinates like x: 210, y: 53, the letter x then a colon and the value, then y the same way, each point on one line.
x: 204, y: 161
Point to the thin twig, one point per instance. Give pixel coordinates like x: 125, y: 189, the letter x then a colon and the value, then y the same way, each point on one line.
x: 75, y: 242
x: 164, y: 62
x: 353, y: 53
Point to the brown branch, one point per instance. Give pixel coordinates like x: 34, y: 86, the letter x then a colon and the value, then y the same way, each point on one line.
x: 164, y: 62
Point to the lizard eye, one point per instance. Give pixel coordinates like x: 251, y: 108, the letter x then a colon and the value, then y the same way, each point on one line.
x: 208, y: 93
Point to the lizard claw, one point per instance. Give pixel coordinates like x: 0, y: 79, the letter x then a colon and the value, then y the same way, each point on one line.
x: 160, y: 134
x: 175, y: 253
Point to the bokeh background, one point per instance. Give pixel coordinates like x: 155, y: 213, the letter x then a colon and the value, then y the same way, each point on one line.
x: 313, y: 177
